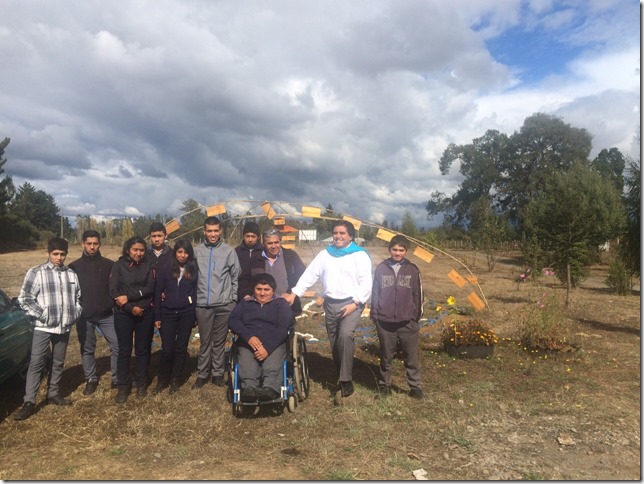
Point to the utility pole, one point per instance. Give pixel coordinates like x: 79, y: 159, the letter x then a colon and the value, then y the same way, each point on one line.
x: 61, y: 223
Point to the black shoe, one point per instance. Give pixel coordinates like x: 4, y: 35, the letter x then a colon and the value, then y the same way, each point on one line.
x: 123, y: 393
x: 248, y: 395
x: 266, y: 394
x: 346, y: 388
x: 58, y: 400
x: 200, y: 382
x: 141, y: 391
x: 174, y: 386
x: 27, y: 410
x: 90, y: 387
x: 219, y: 381
x: 384, y: 390
x: 416, y: 393
x: 161, y: 385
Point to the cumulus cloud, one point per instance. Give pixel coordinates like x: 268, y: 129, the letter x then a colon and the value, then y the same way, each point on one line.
x: 136, y: 107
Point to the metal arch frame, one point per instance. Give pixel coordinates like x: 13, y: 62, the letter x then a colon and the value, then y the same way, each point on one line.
x: 292, y: 216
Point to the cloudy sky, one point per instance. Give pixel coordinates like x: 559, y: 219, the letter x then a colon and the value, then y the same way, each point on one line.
x: 131, y: 107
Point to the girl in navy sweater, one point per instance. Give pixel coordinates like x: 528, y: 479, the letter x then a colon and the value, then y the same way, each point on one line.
x: 175, y: 300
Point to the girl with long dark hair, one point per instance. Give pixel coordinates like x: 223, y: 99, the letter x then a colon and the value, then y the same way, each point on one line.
x: 132, y: 288
x: 175, y: 301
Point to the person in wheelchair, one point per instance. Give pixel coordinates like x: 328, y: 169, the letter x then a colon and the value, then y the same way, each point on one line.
x: 262, y: 324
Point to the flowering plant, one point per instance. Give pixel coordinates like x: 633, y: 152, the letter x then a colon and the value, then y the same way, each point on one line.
x: 452, y: 308
x: 468, y: 332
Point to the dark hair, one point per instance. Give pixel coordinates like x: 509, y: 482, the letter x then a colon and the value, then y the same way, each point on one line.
x: 264, y: 279
x: 399, y: 240
x: 211, y: 221
x: 56, y: 243
x: 191, y: 268
x: 157, y: 227
x: 89, y: 234
x: 351, y: 230
x: 130, y: 242
x: 250, y: 227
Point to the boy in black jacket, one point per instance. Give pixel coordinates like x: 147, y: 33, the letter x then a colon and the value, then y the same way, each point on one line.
x: 396, y: 307
x: 93, y: 271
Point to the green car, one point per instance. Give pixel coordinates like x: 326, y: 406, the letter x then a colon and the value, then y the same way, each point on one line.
x: 16, y: 333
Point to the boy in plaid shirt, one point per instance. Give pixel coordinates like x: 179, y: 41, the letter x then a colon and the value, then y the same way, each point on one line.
x: 50, y: 294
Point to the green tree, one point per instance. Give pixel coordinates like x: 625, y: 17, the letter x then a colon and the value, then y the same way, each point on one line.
x: 191, y: 221
x: 576, y: 211
x: 36, y: 207
x: 7, y: 189
x: 510, y: 170
x: 630, y: 242
x: 488, y: 229
x: 610, y: 164
x: 408, y: 225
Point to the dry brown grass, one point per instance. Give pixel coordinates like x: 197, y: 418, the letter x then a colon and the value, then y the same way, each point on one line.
x: 481, y: 419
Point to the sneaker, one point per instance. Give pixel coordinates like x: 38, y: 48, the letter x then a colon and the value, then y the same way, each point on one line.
x: 123, y: 393
x: 266, y: 394
x: 174, y: 386
x: 416, y: 393
x: 248, y: 395
x: 159, y: 388
x: 58, y: 400
x: 141, y: 391
x: 219, y: 380
x: 90, y: 387
x: 384, y: 390
x: 200, y: 382
x: 27, y: 410
x: 346, y: 388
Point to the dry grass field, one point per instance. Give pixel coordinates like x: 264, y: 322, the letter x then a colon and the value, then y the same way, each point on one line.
x: 517, y: 415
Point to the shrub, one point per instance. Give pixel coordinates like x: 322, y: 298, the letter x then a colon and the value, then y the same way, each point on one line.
x: 619, y: 279
x: 542, y: 324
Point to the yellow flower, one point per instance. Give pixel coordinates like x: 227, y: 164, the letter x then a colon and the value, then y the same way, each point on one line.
x: 439, y: 308
x: 451, y: 301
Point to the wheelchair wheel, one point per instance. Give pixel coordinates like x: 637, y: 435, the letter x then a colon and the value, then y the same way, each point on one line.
x: 301, y: 370
x: 292, y: 403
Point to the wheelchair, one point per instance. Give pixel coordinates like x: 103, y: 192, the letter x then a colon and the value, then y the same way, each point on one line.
x: 296, y: 383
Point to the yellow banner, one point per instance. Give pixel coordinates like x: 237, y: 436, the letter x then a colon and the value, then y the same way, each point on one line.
x: 472, y: 280
x: 385, y: 235
x: 423, y: 254
x: 311, y: 212
x: 356, y: 223
x: 476, y: 301
x: 279, y: 221
x: 456, y: 278
x: 172, y: 226
x: 288, y: 246
x: 215, y: 210
x: 268, y: 210
x: 288, y: 238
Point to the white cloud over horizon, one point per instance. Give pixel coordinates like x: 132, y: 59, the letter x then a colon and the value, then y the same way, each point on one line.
x: 131, y: 107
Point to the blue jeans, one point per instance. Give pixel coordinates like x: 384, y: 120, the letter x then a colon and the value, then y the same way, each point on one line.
x: 141, y: 328
x: 87, y: 338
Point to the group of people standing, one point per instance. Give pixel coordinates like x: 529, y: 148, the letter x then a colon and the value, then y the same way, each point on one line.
x: 254, y: 290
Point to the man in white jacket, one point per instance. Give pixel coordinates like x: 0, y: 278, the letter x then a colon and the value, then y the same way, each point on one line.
x: 344, y: 269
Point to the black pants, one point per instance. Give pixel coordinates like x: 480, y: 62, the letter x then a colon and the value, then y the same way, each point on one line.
x: 176, y: 328
x: 142, y: 329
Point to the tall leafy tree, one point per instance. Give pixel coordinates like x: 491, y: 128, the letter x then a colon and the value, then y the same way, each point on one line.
x: 610, y: 164
x: 408, y: 225
x: 37, y: 207
x: 511, y: 170
x: 630, y: 242
x: 7, y: 189
x: 575, y: 212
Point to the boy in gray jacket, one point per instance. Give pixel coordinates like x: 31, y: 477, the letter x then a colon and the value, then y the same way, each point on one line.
x: 396, y: 307
x: 217, y: 285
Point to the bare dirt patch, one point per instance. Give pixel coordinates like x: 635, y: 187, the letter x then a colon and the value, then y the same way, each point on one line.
x: 518, y: 415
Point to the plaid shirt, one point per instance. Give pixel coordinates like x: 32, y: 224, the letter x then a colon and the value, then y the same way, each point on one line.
x: 51, y: 295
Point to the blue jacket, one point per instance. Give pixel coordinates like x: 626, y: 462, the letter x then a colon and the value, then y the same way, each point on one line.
x: 269, y: 322
x: 177, y: 295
